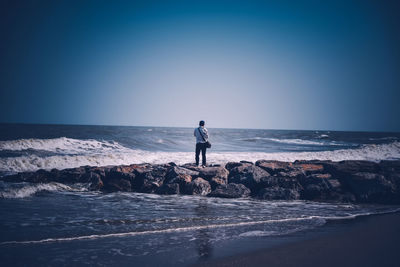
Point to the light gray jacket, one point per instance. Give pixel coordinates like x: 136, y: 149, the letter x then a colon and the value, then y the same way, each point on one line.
x: 197, y: 134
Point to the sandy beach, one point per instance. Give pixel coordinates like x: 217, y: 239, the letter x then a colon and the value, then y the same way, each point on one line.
x: 365, y: 241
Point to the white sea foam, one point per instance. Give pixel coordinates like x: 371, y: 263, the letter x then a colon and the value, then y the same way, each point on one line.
x: 62, y: 144
x: 161, y: 231
x: 31, y: 189
x: 319, y: 220
x: 112, y: 153
x: 296, y: 141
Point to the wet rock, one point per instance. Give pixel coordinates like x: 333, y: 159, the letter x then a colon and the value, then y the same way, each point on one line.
x: 278, y: 193
x: 344, y: 168
x: 149, y: 179
x: 216, y: 181
x: 371, y: 187
x: 199, y: 186
x: 230, y: 165
x: 118, y: 179
x: 183, y: 180
x: 274, y: 166
x: 211, y: 172
x: 169, y: 189
x: 95, y: 182
x: 231, y: 190
x: 176, y: 171
x: 352, y: 180
x: 309, y: 168
x: 251, y: 176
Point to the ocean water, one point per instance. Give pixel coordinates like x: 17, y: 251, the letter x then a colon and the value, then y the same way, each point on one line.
x: 58, y: 224
x: 33, y: 147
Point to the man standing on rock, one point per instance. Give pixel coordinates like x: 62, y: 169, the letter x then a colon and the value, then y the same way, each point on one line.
x: 201, y: 135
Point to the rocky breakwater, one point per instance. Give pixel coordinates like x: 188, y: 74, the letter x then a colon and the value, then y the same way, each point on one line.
x: 345, y: 181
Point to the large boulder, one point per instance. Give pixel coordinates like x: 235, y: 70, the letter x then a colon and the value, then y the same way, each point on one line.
x: 118, y: 179
x: 176, y: 171
x: 169, y: 189
x: 210, y: 172
x: 183, y: 180
x: 230, y: 165
x: 278, y: 193
x: 231, y: 190
x: 149, y: 179
x: 274, y: 166
x: 95, y: 181
x: 199, y: 186
x: 371, y: 187
x: 216, y: 181
x: 347, y: 167
x: 251, y: 176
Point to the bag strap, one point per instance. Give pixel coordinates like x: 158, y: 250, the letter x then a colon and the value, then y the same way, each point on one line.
x: 201, y: 134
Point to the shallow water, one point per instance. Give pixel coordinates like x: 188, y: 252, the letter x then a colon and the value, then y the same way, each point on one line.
x: 64, y: 226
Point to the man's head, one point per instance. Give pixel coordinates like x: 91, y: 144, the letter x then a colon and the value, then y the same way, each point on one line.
x: 201, y: 123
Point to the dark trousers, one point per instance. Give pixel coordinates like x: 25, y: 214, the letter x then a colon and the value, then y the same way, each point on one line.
x: 202, y: 147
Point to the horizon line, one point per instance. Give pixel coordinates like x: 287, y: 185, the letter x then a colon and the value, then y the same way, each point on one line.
x: 233, y: 128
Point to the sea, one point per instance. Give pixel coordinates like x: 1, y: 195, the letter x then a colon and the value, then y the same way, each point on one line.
x: 66, y: 225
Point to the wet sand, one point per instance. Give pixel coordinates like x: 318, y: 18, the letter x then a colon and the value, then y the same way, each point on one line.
x: 365, y: 241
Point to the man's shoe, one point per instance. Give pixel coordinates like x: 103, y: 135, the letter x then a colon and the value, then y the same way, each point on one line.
x: 203, y: 166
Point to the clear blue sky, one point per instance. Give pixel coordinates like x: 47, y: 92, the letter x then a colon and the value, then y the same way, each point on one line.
x: 331, y: 65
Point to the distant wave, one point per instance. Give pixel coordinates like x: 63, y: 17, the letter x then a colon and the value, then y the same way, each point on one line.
x: 295, y: 141
x: 61, y: 145
x: 121, y: 155
x: 27, y: 190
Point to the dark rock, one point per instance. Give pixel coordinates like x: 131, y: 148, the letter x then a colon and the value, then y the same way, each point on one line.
x: 251, y: 176
x: 169, y: 189
x: 352, y: 180
x: 95, y: 182
x: 371, y: 187
x: 230, y: 165
x: 343, y: 168
x: 216, y: 181
x: 182, y: 179
x: 210, y: 172
x: 199, y: 186
x: 273, y: 166
x: 175, y: 171
x: 309, y: 168
x: 148, y: 180
x: 389, y: 167
x: 320, y: 186
x: 278, y: 193
x: 230, y: 191
x: 118, y: 179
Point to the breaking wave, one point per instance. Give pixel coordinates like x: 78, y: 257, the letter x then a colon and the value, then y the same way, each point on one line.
x: 61, y: 145
x: 27, y: 190
x: 296, y: 141
x: 103, y: 153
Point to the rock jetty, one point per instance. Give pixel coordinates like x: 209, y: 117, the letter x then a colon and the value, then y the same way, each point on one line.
x: 345, y: 181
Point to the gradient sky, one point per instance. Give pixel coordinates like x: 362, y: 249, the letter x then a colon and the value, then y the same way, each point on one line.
x: 323, y: 65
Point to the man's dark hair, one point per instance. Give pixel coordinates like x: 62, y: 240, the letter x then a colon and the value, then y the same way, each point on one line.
x: 201, y: 123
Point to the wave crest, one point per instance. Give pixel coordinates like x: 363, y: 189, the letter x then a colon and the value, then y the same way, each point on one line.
x: 27, y: 190
x: 127, y: 156
x: 61, y: 145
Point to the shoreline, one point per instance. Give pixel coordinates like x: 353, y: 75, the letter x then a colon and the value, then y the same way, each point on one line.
x: 365, y: 241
